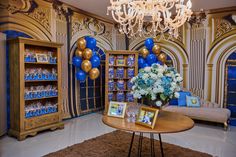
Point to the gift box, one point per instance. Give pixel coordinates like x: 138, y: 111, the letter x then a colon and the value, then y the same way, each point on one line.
x: 120, y: 72
x: 120, y: 85
x: 111, y: 72
x: 130, y: 72
x: 120, y: 97
x: 130, y: 60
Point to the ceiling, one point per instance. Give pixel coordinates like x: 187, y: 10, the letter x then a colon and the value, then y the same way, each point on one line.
x: 99, y: 7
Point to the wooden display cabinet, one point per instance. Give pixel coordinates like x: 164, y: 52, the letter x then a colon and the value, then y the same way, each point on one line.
x: 48, y: 115
x: 125, y: 54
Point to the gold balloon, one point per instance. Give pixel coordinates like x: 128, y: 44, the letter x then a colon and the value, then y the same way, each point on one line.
x: 86, y: 65
x: 94, y: 73
x: 156, y: 49
x: 81, y: 43
x: 162, y: 57
x: 79, y: 53
x: 87, y: 54
x: 144, y: 52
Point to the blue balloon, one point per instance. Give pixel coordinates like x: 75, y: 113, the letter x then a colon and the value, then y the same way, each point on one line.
x: 81, y: 75
x: 151, y: 58
x: 95, y: 61
x: 91, y: 43
x: 149, y: 43
x: 158, y: 62
x: 145, y: 65
x: 94, y: 53
x: 141, y: 62
x: 77, y: 61
x: 86, y: 38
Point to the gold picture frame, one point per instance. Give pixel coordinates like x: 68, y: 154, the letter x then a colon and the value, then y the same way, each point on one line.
x: 117, y: 109
x: 147, y: 116
x: 42, y: 58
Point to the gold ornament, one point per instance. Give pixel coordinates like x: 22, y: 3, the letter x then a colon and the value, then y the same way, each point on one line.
x: 86, y: 65
x: 79, y: 53
x: 94, y: 73
x: 144, y: 52
x: 87, y: 54
x: 156, y: 49
x: 81, y: 43
x: 162, y: 57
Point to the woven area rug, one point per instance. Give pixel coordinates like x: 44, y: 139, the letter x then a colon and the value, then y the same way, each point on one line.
x: 116, y: 144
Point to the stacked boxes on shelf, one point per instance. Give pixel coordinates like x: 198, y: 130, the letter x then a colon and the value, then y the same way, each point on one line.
x: 121, y: 66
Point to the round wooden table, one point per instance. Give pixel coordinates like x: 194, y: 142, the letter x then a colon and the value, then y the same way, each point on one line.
x: 167, y: 122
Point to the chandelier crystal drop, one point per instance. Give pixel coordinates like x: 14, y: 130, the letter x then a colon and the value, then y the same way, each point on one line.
x: 150, y: 17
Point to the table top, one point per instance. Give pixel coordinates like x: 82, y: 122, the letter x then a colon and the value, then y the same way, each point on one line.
x: 167, y: 122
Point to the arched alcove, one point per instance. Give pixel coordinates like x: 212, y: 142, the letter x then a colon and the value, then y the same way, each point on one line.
x: 215, y: 72
x: 176, y: 53
x: 26, y: 25
x: 230, y: 84
x: 85, y: 97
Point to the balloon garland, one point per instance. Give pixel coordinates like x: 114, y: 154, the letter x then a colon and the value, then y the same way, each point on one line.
x: 86, y: 59
x: 151, y: 54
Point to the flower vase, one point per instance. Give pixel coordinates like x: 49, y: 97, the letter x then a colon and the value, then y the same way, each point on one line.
x: 152, y: 103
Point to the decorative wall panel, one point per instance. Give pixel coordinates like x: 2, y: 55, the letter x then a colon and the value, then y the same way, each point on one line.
x: 197, y: 61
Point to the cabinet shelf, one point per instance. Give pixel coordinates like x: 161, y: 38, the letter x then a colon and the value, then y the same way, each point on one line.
x: 40, y: 63
x: 120, y: 91
x: 119, y: 78
x: 51, y: 97
x: 125, y: 55
x: 27, y: 81
x: 19, y: 105
x: 121, y: 66
x: 42, y: 116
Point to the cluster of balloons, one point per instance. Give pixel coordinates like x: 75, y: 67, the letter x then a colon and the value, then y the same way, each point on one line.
x: 151, y: 54
x: 86, y: 59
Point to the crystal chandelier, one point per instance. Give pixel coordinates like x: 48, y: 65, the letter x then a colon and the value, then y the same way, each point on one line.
x: 150, y: 17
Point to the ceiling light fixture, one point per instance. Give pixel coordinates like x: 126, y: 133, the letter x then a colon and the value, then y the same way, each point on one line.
x: 150, y: 17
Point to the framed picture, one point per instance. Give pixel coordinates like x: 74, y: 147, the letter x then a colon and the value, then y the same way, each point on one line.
x: 117, y: 109
x: 147, y: 116
x: 42, y: 58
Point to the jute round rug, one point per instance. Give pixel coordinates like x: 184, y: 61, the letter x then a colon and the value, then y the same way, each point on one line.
x: 116, y: 144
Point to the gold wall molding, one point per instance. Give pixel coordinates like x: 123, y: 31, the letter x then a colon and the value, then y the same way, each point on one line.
x: 222, y: 27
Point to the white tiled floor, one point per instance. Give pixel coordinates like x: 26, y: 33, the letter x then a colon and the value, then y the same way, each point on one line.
x: 205, y: 138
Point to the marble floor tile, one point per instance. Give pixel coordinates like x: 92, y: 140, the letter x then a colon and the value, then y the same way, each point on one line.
x: 205, y: 138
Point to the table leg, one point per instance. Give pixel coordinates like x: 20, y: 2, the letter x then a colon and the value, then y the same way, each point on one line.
x: 140, y: 144
x: 152, y: 145
x: 162, y: 152
x: 131, y: 144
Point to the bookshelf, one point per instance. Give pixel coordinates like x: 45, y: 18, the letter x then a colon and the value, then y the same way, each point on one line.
x: 35, y: 87
x: 120, y: 67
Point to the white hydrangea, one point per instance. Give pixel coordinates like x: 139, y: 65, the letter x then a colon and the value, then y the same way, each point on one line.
x: 147, y: 69
x: 141, y: 87
x: 177, y: 94
x: 179, y: 79
x: 158, y: 103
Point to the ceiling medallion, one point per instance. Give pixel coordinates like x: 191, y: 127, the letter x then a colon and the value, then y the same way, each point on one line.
x: 150, y: 17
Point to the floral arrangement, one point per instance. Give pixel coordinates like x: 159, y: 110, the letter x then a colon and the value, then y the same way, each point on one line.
x: 158, y: 83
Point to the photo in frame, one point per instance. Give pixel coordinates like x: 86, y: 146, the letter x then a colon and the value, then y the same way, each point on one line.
x: 117, y: 109
x: 147, y: 116
x: 42, y: 58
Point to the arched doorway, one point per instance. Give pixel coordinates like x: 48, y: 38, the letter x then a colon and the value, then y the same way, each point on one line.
x: 86, y: 97
x: 230, y: 84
